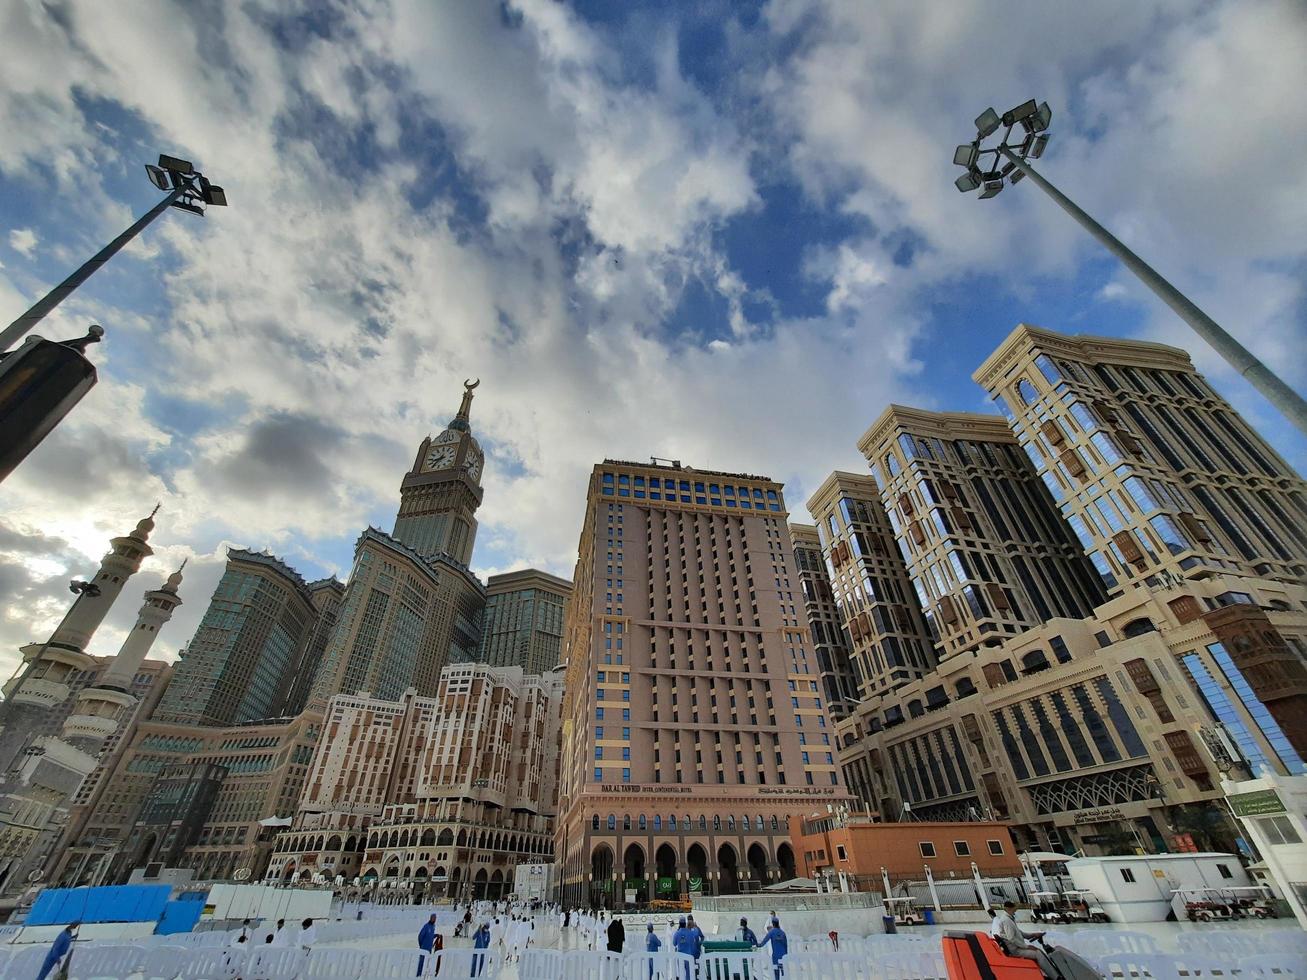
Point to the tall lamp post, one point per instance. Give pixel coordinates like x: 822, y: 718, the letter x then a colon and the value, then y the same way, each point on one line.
x: 1008, y: 161
x: 41, y: 380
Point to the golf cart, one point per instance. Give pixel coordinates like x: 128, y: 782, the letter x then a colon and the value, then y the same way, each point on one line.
x: 1048, y: 907
x: 904, y: 911
x: 1084, y: 906
x: 1253, y: 901
x: 1205, y: 905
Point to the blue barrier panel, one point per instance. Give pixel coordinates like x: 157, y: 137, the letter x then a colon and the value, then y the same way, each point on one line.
x: 178, y: 917
x: 110, y: 903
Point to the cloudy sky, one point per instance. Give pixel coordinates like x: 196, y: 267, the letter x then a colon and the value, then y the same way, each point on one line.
x: 724, y: 232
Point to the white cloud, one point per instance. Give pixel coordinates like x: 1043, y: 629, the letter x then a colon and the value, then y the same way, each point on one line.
x: 320, y: 326
x: 23, y: 240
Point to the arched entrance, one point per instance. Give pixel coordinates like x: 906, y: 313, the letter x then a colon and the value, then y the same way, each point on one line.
x: 665, y: 884
x: 288, y: 873
x: 728, y: 876
x: 479, y: 884
x: 497, y: 884
x: 757, y: 857
x: 601, y: 876
x: 696, y: 859
x: 785, y: 858
x: 633, y: 873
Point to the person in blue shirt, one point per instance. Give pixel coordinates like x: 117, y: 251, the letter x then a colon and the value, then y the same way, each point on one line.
x: 480, y: 940
x: 62, y: 944
x: 651, y: 945
x: 683, y: 942
x: 780, y: 945
x: 426, y: 942
x: 745, y: 934
x: 698, y: 936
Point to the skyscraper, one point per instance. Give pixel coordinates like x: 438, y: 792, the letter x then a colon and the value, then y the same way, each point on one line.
x: 1084, y: 726
x: 694, y: 723
x: 830, y: 642
x: 1156, y: 473
x: 412, y: 604
x: 987, y: 552
x: 440, y: 494
x: 244, y: 655
x: 873, y: 595
x: 523, y: 620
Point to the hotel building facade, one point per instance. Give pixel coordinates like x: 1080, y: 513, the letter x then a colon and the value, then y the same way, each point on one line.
x: 694, y: 723
x: 1093, y: 693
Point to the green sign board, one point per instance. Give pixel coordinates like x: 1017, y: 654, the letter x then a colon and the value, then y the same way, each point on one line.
x: 667, y: 886
x: 696, y: 884
x: 1257, y: 804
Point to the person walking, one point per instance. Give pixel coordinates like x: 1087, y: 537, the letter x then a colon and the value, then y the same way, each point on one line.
x: 780, y: 945
x: 280, y: 936
x: 616, y: 935
x: 308, y: 935
x: 426, y: 942
x: 745, y: 935
x: 62, y: 946
x: 480, y: 941
x: 697, y: 935
x: 651, y: 945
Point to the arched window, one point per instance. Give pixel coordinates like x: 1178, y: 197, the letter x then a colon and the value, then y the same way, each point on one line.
x: 594, y: 822
x: 1138, y: 627
x: 658, y: 821
x: 703, y: 822
x: 730, y: 821
x: 626, y: 821
x: 643, y: 823
x: 775, y: 824
x: 758, y: 823
x: 685, y: 822
x: 1027, y: 392
x: 717, y: 821
x: 612, y: 821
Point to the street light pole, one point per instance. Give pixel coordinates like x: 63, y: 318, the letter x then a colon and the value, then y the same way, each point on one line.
x: 12, y: 333
x: 188, y: 190
x: 1034, y: 120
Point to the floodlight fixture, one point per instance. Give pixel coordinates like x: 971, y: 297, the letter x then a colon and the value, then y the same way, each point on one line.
x: 176, y: 165
x: 159, y: 178
x: 987, y: 123
x: 1021, y: 112
x: 1009, y: 162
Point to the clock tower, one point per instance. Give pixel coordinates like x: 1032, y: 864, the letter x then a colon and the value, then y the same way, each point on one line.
x: 440, y: 494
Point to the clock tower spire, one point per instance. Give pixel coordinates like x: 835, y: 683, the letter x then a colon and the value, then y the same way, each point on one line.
x: 440, y: 494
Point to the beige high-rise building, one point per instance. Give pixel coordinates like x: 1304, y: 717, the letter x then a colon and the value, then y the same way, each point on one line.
x: 873, y: 596
x: 523, y: 620
x: 1107, y: 728
x: 830, y: 641
x: 695, y: 724
x: 1158, y: 476
x: 436, y: 797
x: 987, y: 552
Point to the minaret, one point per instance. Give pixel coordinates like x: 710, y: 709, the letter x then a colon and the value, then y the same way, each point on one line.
x: 102, y: 709
x: 43, y: 681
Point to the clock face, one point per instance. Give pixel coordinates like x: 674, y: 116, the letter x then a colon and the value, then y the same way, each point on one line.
x: 440, y: 457
x: 473, y: 464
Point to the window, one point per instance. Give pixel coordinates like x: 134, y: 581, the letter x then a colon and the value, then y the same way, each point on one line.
x: 840, y: 853
x: 1279, y: 830
x: 927, y: 849
x: 995, y: 846
x: 1224, y: 870
x: 961, y: 848
x: 1127, y: 874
